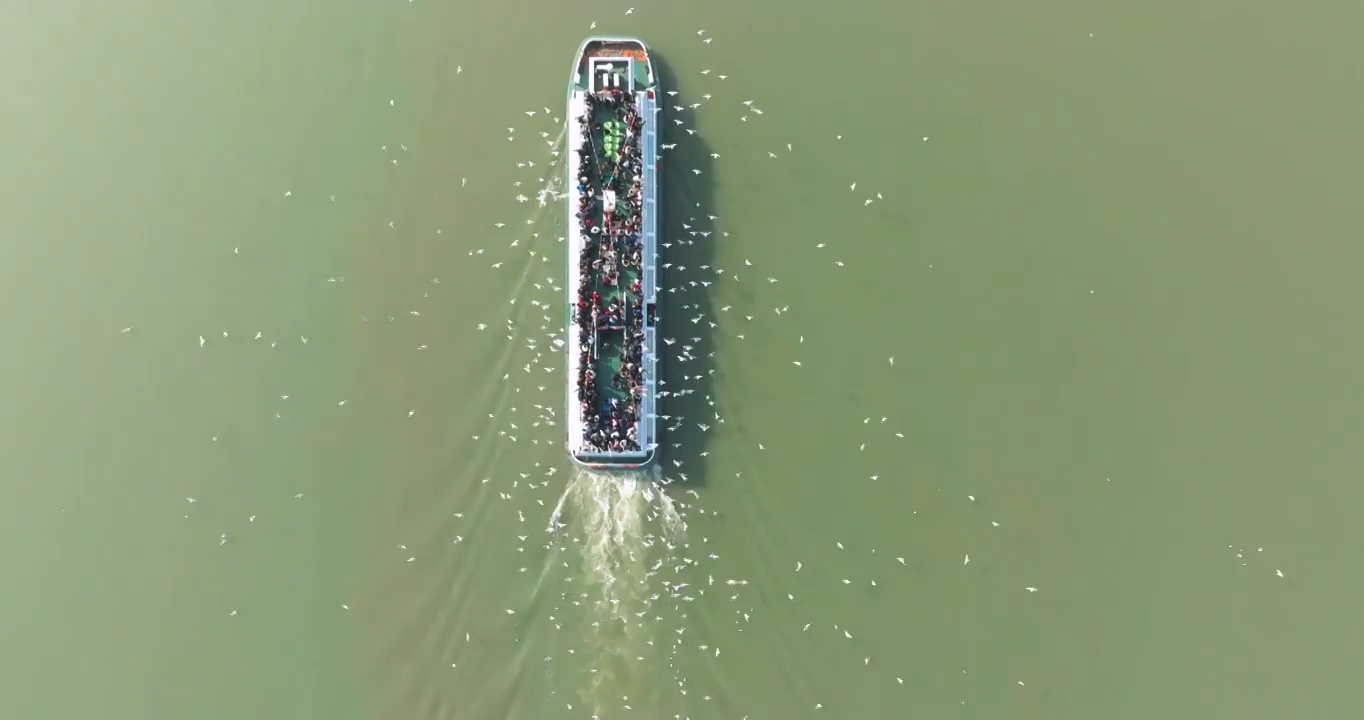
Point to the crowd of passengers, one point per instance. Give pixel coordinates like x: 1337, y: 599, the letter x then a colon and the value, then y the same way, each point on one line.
x: 609, y: 170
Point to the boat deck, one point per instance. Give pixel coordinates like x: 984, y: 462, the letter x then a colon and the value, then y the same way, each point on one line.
x: 634, y: 74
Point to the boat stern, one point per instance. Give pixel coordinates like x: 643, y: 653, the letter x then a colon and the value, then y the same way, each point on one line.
x: 615, y: 461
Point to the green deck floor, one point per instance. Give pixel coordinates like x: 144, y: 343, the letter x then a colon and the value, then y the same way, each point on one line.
x: 609, y: 342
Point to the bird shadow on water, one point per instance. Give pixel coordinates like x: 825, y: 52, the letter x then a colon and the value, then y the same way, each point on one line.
x: 685, y: 314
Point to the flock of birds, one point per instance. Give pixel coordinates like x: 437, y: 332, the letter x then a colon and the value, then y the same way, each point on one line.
x: 623, y: 588
x: 645, y: 540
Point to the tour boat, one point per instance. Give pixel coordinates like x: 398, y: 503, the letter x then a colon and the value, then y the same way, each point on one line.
x: 615, y: 87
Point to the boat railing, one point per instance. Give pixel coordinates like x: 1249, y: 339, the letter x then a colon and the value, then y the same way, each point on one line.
x: 592, y: 143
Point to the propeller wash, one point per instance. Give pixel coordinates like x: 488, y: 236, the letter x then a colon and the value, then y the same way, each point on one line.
x: 629, y: 536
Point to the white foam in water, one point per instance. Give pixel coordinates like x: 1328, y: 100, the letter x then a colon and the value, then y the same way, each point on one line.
x: 627, y: 531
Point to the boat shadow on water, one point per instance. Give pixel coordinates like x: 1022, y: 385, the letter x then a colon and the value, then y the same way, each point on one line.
x: 687, y: 199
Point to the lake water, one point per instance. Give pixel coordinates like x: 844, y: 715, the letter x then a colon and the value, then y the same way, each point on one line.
x: 1024, y: 337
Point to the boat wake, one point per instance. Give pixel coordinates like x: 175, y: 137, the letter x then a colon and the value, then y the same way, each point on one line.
x: 627, y: 533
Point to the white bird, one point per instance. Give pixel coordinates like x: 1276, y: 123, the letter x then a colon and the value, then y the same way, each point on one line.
x: 967, y: 561
x: 201, y: 341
